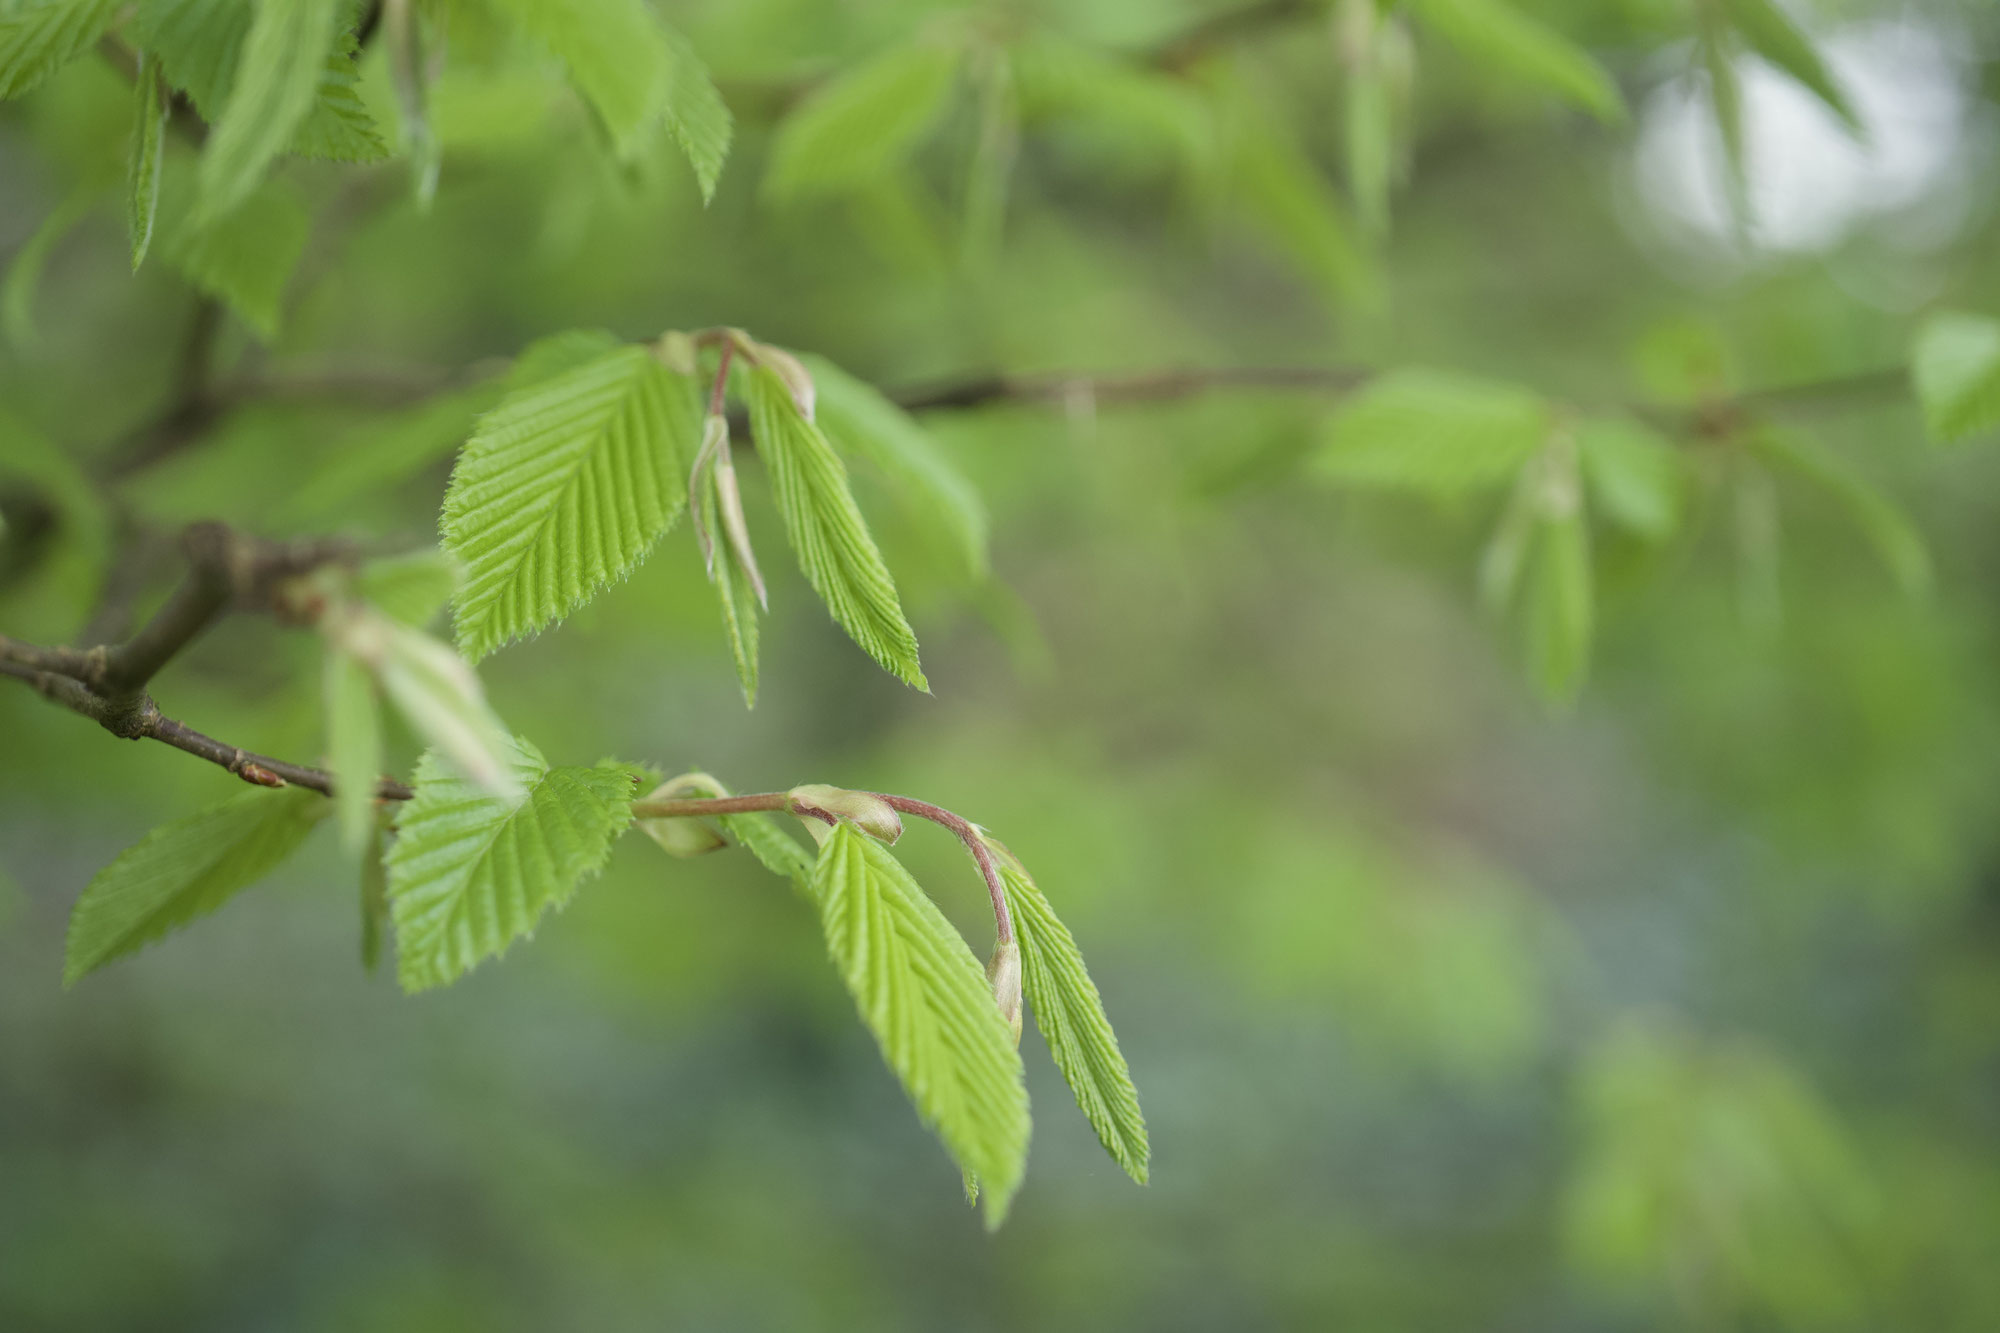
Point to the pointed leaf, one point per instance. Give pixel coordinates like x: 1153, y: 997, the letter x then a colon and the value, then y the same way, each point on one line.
x: 1070, y: 1014
x: 827, y: 531
x: 38, y: 37
x: 374, y: 898
x: 183, y: 870
x: 1773, y: 35
x: 338, y: 127
x: 863, y: 121
x: 1496, y: 33
x: 696, y: 115
x: 562, y: 490
x: 377, y: 457
x: 1956, y: 365
x: 277, y: 80
x: 924, y: 996
x: 738, y: 599
x: 472, y: 872
x: 246, y: 258
x: 149, y: 138
x: 1430, y: 431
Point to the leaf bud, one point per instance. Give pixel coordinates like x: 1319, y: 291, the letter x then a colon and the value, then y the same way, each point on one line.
x: 865, y: 810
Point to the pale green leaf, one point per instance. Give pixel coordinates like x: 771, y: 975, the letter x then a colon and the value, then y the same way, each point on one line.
x: 1070, y: 1014
x: 410, y: 73
x: 735, y: 594
x: 863, y: 121
x: 39, y: 37
x: 1557, y: 606
x: 149, y: 138
x: 1635, y: 474
x: 277, y: 80
x: 696, y: 115
x: 1280, y: 191
x: 246, y: 258
x: 472, y: 872
x: 1371, y: 144
x: 411, y: 588
x: 858, y: 419
x: 827, y: 531
x: 924, y: 996
x: 1137, y: 111
x: 1493, y: 32
x: 1889, y: 530
x: 1432, y: 431
x: 1956, y: 366
x: 442, y: 700
x: 338, y: 127
x: 1773, y: 35
x: 1725, y: 98
x: 563, y: 488
x: 353, y: 745
x: 183, y: 870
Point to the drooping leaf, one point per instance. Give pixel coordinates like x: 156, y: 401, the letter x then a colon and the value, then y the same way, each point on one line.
x: 546, y: 358
x: 1956, y: 366
x: 1140, y: 111
x: 924, y: 996
x: 1634, y: 473
x: 410, y: 73
x: 246, y: 258
x: 353, y: 745
x: 277, y: 80
x: 411, y: 588
x: 1430, y: 431
x: 863, y: 121
x: 733, y: 591
x: 1725, y: 99
x: 696, y: 115
x: 1773, y: 35
x: 472, y: 872
x: 1895, y: 539
x: 827, y: 531
x: 149, y: 138
x: 857, y: 418
x: 1557, y: 606
x: 183, y: 870
x: 1070, y: 1014
x: 38, y: 37
x: 1494, y: 32
x: 563, y: 488
x: 374, y: 897
x: 1371, y: 144
x: 442, y: 700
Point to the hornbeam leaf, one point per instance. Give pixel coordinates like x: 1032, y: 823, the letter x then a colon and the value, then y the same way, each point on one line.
x: 1434, y: 432
x: 924, y: 996
x: 856, y: 417
x: 696, y: 115
x: 563, y: 488
x: 472, y: 872
x: 184, y: 870
x: 1956, y: 365
x: 277, y: 79
x: 353, y: 744
x: 149, y: 137
x: 1496, y: 32
x: 41, y: 36
x: 735, y: 593
x: 338, y: 126
x: 442, y: 700
x: 862, y: 122
x: 1070, y: 1014
x: 246, y: 258
x: 827, y: 531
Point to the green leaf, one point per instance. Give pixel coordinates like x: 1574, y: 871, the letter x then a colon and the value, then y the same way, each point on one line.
x: 442, y: 700
x: 353, y: 745
x: 1282, y: 193
x: 472, y: 872
x: 827, y: 531
x: 1135, y: 109
x: 39, y: 37
x: 924, y: 996
x: 1492, y: 32
x: 1070, y: 1014
x: 184, y: 870
x: 563, y: 488
x: 246, y: 258
x: 1956, y: 366
x: 410, y: 588
x: 149, y: 138
x: 858, y: 419
x: 1557, y: 606
x: 1772, y: 35
x: 277, y: 80
x: 338, y: 128
x: 1636, y: 475
x: 863, y: 121
x: 696, y: 115
x: 1431, y: 431
x: 546, y: 358
x: 733, y: 590
x: 374, y: 897
x: 1371, y: 144
x: 1725, y: 97
x: 1886, y: 527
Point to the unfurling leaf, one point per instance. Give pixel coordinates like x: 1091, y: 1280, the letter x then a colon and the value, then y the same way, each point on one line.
x: 412, y: 82
x: 183, y: 870
x: 1557, y: 609
x: 738, y: 586
x: 1427, y: 431
x: 563, y: 488
x: 837, y: 805
x: 442, y: 700
x: 863, y: 122
x: 149, y: 138
x: 1003, y: 977
x: 38, y: 37
x: 827, y: 531
x: 923, y: 995
x: 1070, y: 1014
x: 472, y: 872
x: 1956, y: 365
x: 277, y: 80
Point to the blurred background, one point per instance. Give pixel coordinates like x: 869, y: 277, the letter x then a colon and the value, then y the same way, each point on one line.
x: 1677, y: 1008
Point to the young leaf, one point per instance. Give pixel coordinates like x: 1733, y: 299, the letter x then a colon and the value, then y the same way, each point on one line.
x: 696, y: 115
x: 471, y: 872
x: 563, y: 488
x: 1956, y: 365
x: 1494, y: 32
x: 1429, y: 431
x: 149, y: 138
x: 442, y: 700
x: 353, y: 744
x: 1886, y: 527
x: 408, y: 72
x: 1141, y: 112
x: 38, y: 37
x: 1070, y: 1014
x: 1635, y: 475
x: 410, y: 588
x: 1557, y: 606
x: 826, y: 528
x: 338, y: 127
x: 735, y: 593
x: 24, y: 275
x: 277, y: 80
x: 1371, y: 144
x: 1772, y: 35
x: 1725, y: 97
x: 863, y: 121
x: 924, y: 996
x: 857, y: 418
x: 246, y: 258
x: 183, y: 870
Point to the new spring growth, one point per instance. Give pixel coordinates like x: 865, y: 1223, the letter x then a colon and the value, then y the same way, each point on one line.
x: 1003, y: 974
x: 821, y: 807
x: 682, y: 837
x: 805, y: 394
